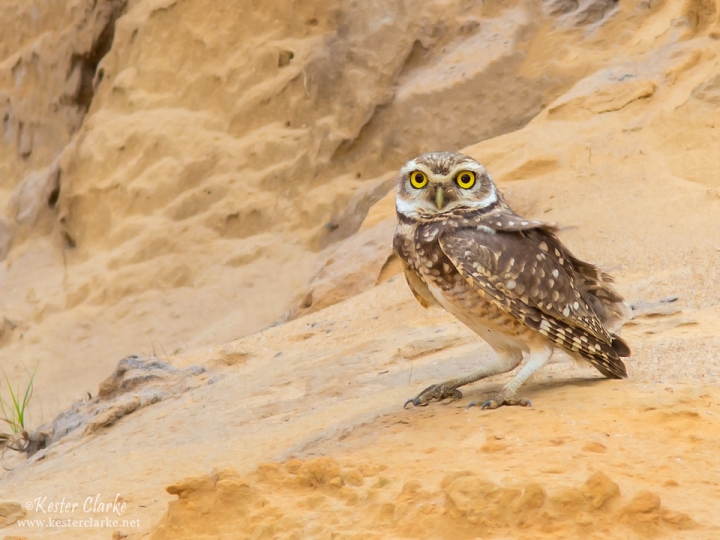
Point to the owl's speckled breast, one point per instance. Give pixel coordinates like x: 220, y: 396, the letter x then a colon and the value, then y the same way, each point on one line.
x: 418, y: 246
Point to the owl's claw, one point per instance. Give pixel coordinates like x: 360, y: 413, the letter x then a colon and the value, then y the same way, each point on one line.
x: 436, y: 392
x: 499, y: 401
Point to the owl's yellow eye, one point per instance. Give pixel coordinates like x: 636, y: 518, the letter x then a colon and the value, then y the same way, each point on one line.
x: 466, y: 179
x: 418, y: 179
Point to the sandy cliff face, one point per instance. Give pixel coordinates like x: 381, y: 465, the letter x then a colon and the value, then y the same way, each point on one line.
x: 49, y: 55
x: 237, y: 163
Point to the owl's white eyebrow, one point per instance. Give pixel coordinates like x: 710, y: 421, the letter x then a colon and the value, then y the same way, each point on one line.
x: 413, y: 165
x: 469, y: 166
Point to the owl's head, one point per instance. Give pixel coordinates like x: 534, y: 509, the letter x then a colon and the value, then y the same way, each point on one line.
x: 440, y: 182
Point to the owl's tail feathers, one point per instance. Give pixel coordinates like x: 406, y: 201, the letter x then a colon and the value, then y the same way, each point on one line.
x: 620, y: 347
x: 609, y: 363
x: 610, y: 366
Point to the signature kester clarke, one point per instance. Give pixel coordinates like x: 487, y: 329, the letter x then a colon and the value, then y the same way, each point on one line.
x: 91, y: 505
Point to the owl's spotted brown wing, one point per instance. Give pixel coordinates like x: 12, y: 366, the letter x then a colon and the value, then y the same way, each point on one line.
x: 523, y: 274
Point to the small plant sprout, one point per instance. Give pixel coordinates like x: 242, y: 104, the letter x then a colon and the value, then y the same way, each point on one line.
x: 14, y: 409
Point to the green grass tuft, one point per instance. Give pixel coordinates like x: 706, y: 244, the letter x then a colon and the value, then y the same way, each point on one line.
x: 13, y: 411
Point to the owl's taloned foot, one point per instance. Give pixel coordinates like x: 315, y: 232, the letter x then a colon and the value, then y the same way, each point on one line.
x: 499, y: 400
x: 436, y: 392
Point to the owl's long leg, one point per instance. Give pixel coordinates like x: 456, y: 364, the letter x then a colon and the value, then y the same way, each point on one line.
x: 507, y: 360
x: 537, y: 358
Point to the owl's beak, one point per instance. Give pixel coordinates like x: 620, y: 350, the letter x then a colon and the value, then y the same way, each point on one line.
x: 439, y: 197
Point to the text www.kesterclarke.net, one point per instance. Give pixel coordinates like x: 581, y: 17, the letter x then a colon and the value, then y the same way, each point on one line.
x: 86, y: 523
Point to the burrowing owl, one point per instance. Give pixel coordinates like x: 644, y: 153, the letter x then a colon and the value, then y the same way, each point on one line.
x: 509, y: 279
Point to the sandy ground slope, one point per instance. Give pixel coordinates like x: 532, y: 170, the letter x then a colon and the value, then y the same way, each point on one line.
x: 333, y: 385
